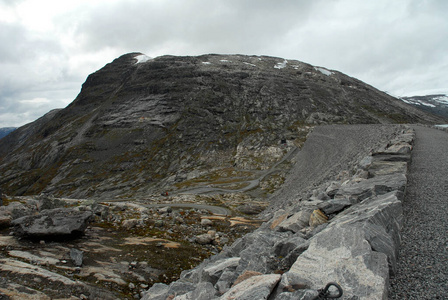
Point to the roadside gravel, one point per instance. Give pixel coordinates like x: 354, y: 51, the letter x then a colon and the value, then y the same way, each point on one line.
x: 328, y: 150
x: 423, y: 258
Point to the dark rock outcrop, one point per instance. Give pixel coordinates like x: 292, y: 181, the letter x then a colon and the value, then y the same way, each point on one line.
x: 53, y: 223
x: 140, y: 125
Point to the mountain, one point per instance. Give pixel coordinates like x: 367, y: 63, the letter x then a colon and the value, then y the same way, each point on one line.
x: 436, y: 104
x: 142, y: 125
x: 6, y: 130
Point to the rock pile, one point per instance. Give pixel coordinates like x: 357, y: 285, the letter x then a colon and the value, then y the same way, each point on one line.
x: 348, y: 232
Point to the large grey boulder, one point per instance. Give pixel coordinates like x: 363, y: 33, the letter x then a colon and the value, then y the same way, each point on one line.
x: 258, y: 254
x: 213, y: 271
x: 357, y: 191
x: 381, y: 219
x: 59, y: 222
x: 297, y: 221
x: 340, y: 254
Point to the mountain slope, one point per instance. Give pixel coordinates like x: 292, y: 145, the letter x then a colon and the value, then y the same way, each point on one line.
x: 5, y: 131
x: 436, y: 104
x: 142, y: 125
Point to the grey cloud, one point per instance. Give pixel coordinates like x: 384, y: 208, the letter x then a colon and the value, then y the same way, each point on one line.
x: 198, y: 26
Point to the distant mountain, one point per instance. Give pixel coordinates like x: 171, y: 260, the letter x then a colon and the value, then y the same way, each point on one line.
x: 436, y: 104
x: 6, y: 130
x: 142, y: 125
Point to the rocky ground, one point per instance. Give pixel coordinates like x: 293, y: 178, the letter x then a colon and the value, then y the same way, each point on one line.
x: 124, y: 247
x: 128, y: 246
x: 344, y: 229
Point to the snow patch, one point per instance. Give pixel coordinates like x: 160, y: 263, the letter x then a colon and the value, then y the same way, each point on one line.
x: 281, y: 65
x: 246, y: 63
x: 442, y: 99
x: 426, y: 104
x: 142, y: 58
x: 225, y: 60
x: 206, y: 63
x: 323, y: 71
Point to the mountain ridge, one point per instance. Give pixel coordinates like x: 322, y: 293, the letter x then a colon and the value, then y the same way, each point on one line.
x: 144, y: 126
x: 4, y: 131
x: 434, y: 103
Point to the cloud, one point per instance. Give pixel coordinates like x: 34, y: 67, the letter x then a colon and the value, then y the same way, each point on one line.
x: 49, y: 47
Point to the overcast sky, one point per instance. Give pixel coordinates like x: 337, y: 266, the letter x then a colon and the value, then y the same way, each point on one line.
x: 49, y: 47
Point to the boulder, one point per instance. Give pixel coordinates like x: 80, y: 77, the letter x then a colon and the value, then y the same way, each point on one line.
x: 256, y: 287
x: 378, y: 168
x: 203, y: 291
x: 340, y: 254
x: 250, y: 209
x: 334, y: 205
x: 206, y: 222
x: 317, y: 218
x: 129, y: 224
x: 213, y: 271
x: 204, y: 239
x: 160, y: 291
x: 332, y: 189
x: 165, y: 210
x: 381, y: 219
x: 76, y: 256
x: 296, y: 222
x: 226, y: 281
x: 257, y: 253
x: 5, y: 220
x: 284, y: 247
x: 379, y: 185
x: 59, y: 222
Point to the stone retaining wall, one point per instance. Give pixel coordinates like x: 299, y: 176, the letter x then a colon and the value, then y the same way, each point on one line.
x: 348, y: 232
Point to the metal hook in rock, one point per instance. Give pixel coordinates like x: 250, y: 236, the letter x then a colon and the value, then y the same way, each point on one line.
x: 325, y: 293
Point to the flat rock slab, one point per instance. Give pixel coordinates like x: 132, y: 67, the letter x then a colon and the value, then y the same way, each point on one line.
x: 256, y: 287
x: 59, y: 222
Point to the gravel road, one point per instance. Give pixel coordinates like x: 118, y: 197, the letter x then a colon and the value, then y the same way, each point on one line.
x: 423, y: 257
x: 328, y: 150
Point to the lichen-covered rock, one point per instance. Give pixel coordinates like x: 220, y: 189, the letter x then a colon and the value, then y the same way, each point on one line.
x: 317, y: 218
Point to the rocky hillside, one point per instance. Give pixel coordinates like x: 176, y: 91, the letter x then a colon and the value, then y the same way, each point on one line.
x: 436, y: 104
x: 142, y: 125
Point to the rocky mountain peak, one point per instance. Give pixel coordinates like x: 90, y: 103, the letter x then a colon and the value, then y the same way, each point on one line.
x: 142, y: 125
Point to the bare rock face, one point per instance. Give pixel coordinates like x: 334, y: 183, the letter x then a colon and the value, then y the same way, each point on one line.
x: 52, y: 223
x: 139, y: 125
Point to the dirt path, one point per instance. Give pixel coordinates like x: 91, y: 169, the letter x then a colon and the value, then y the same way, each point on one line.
x: 423, y: 258
x: 217, y: 210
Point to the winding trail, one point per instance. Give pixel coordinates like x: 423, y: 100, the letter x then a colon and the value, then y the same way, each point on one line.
x: 217, y: 210
x: 423, y: 258
x: 251, y: 184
